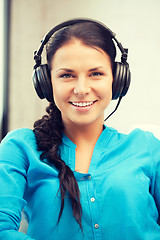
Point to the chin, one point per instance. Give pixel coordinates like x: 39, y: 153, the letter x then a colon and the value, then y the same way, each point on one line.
x: 88, y: 122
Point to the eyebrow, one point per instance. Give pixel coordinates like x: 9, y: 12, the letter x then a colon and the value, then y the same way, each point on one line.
x: 65, y: 69
x: 94, y: 69
x: 71, y: 71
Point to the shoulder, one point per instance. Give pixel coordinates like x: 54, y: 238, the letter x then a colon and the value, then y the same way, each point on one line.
x: 142, y: 135
x: 144, y: 142
x: 137, y: 142
x: 21, y: 134
x: 136, y: 134
x: 137, y: 138
x: 19, y: 140
x: 19, y: 147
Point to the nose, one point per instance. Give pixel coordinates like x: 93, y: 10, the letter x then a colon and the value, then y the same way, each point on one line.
x: 82, y: 87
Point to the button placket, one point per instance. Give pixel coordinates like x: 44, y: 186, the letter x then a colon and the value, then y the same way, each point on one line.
x: 93, y: 207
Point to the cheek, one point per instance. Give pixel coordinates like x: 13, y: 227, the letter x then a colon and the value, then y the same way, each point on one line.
x: 105, y: 91
x: 59, y: 95
x: 107, y: 97
x: 56, y: 94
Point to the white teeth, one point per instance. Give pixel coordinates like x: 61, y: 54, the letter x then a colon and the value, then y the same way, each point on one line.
x: 82, y: 104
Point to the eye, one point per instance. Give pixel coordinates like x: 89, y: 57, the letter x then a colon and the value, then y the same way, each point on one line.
x: 97, y: 74
x: 66, y: 75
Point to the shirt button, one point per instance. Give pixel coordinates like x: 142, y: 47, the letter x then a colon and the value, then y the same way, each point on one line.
x: 92, y: 199
x: 89, y: 177
x: 96, y: 225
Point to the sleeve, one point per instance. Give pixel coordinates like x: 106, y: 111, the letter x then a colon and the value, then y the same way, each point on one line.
x: 13, y: 174
x: 157, y: 186
x: 157, y: 189
x: 155, y: 155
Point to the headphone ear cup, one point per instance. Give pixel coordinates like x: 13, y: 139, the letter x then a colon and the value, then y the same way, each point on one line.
x: 127, y: 82
x: 121, y: 80
x: 116, y: 80
x: 42, y: 82
x: 36, y: 84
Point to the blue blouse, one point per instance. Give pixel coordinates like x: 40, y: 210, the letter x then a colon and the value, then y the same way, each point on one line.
x: 120, y: 195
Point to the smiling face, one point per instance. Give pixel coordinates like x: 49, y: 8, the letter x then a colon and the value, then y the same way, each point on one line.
x: 82, y: 83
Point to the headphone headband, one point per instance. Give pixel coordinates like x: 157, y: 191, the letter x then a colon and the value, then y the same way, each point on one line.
x: 37, y: 54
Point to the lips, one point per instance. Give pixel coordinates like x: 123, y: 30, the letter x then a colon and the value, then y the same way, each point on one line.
x: 82, y: 104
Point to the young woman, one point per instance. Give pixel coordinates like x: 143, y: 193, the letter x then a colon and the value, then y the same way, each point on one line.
x: 75, y: 177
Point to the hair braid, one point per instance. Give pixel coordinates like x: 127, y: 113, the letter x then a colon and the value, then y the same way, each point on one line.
x: 48, y: 133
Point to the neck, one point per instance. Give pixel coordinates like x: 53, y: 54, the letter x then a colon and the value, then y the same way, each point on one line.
x: 88, y: 134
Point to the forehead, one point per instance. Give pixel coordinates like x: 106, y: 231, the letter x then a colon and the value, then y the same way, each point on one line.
x: 75, y: 51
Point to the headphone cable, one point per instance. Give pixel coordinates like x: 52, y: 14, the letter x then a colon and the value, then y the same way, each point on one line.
x: 119, y: 100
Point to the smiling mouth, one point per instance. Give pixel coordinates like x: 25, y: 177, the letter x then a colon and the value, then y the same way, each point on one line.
x: 82, y: 104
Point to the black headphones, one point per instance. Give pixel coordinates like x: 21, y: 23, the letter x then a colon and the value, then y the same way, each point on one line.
x: 41, y: 74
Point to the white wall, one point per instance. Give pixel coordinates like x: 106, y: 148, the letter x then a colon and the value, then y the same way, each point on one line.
x: 137, y: 26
